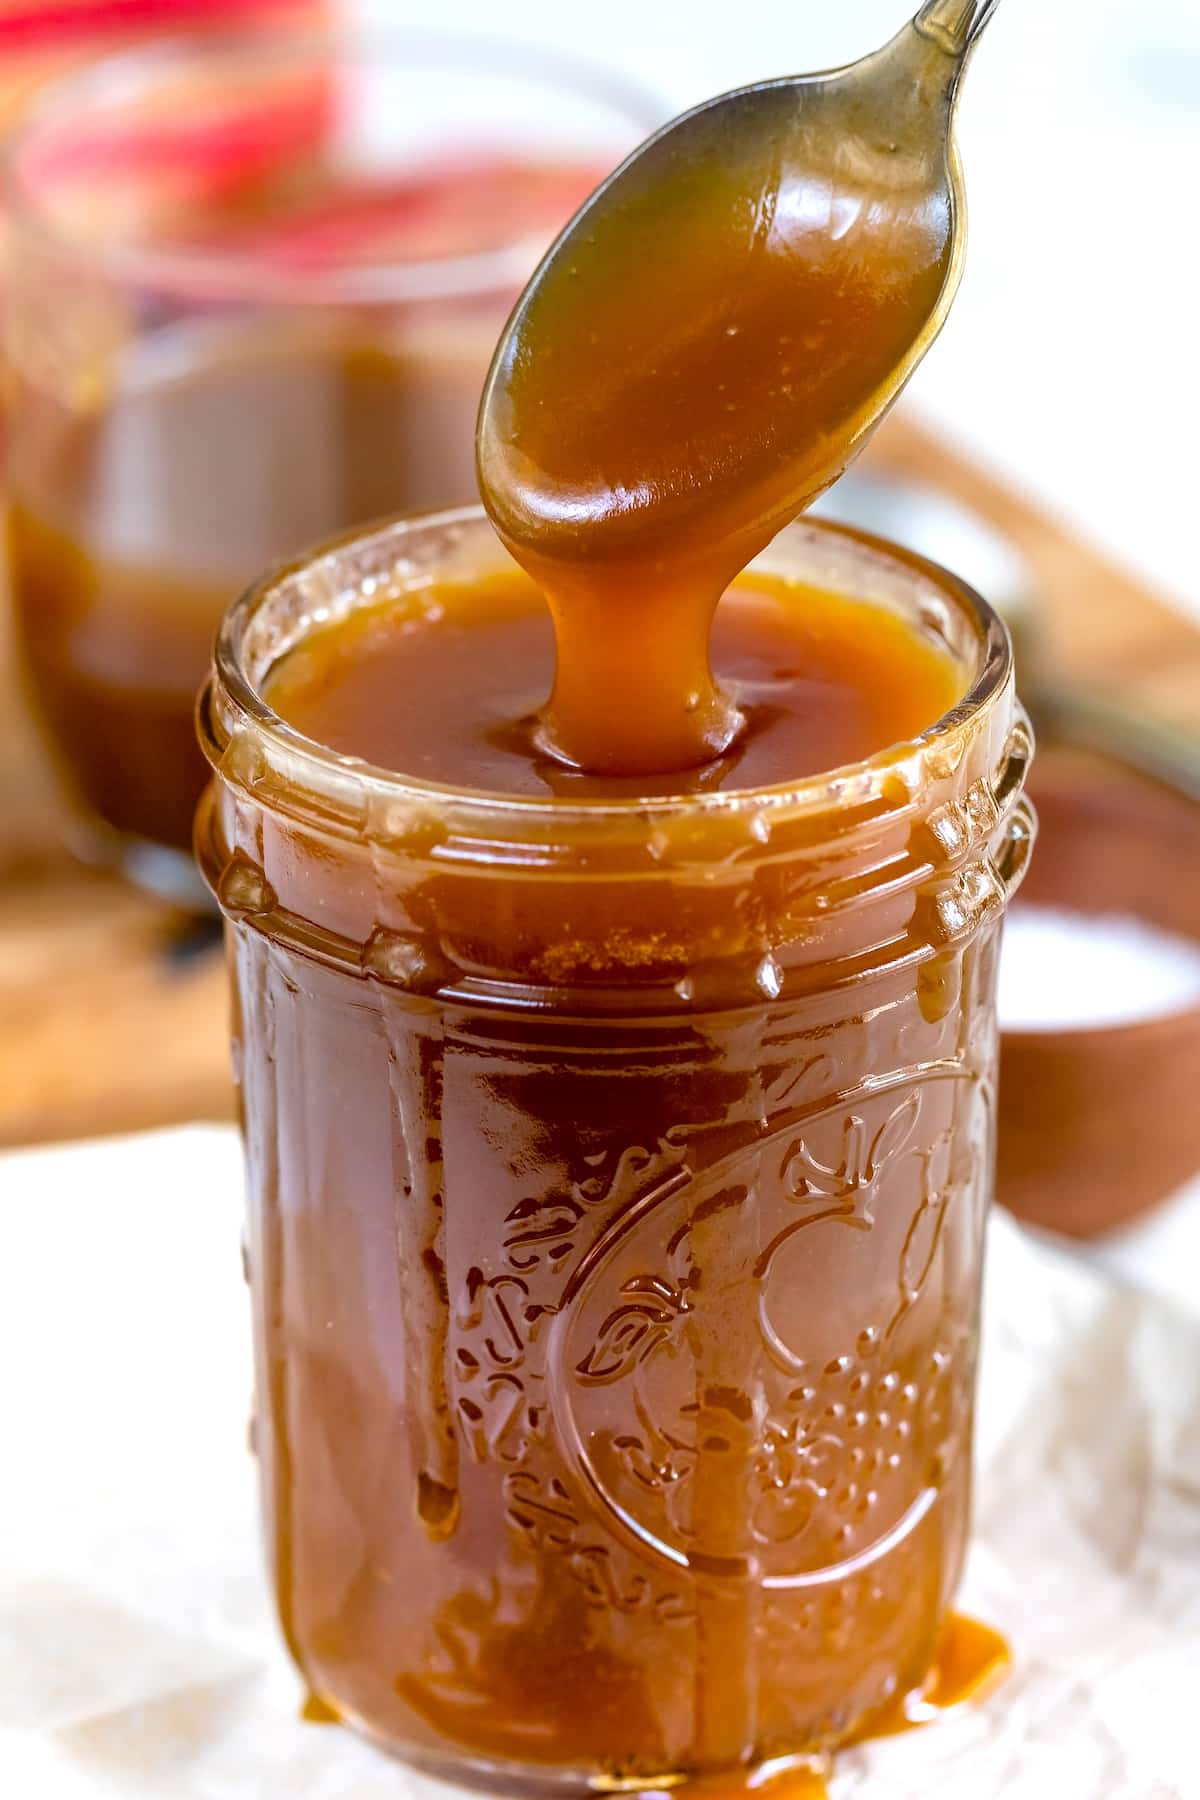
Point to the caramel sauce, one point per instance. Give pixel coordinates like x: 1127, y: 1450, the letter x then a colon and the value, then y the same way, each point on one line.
x: 132, y: 525
x: 314, y: 1711
x: 405, y: 1633
x: 684, y: 376
x: 616, y: 1234
x: 970, y: 1661
x: 820, y: 681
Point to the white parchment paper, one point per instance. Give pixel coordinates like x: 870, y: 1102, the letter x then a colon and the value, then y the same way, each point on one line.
x: 137, y: 1651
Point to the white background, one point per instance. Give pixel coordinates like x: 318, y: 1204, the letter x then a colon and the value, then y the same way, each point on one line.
x: 1071, y: 360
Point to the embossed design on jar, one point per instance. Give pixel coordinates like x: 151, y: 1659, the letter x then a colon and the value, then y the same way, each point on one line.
x: 548, y: 1519
x: 852, y: 1412
x: 500, y: 1387
x: 499, y: 1416
x: 837, y: 1194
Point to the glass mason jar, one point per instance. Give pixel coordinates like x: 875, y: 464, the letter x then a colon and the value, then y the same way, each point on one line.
x: 618, y: 1174
x: 254, y: 286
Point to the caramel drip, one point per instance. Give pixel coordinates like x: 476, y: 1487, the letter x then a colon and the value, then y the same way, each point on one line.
x: 415, y: 1076
x: 634, y: 691
x: 726, y: 1345
x: 971, y: 1660
x: 268, y: 1264
x: 315, y: 1711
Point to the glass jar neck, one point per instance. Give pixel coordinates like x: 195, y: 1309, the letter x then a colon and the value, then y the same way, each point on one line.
x: 718, y: 899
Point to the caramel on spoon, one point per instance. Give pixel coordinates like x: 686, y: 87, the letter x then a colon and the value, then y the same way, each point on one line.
x: 702, y: 351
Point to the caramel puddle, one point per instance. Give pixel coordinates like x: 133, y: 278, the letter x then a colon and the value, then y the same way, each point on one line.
x: 315, y: 1711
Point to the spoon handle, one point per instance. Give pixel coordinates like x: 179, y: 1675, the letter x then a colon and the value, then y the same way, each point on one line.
x: 954, y: 24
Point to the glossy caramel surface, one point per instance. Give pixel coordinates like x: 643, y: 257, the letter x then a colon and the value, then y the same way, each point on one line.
x: 448, y: 685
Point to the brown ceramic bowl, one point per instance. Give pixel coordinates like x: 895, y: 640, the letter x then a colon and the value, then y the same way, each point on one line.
x: 1100, y: 1123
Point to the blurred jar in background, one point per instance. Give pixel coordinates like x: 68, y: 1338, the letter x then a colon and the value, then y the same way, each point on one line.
x: 221, y: 349
x: 43, y: 39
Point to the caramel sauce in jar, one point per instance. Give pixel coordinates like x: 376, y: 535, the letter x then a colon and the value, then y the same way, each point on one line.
x: 235, y: 323
x: 133, y: 523
x: 618, y: 1153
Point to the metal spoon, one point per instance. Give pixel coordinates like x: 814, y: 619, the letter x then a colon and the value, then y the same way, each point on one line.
x: 745, y: 297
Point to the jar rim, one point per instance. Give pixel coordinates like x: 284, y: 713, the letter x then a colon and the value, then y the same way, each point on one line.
x: 323, y: 783
x: 275, y: 48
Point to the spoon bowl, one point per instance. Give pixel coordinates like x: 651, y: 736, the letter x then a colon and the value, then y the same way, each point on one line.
x: 742, y: 301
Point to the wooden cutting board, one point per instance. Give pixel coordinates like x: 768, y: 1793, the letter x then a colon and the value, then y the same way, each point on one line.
x: 113, y: 1008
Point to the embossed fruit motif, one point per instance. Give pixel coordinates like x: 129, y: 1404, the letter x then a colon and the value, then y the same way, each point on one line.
x: 851, y: 1405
